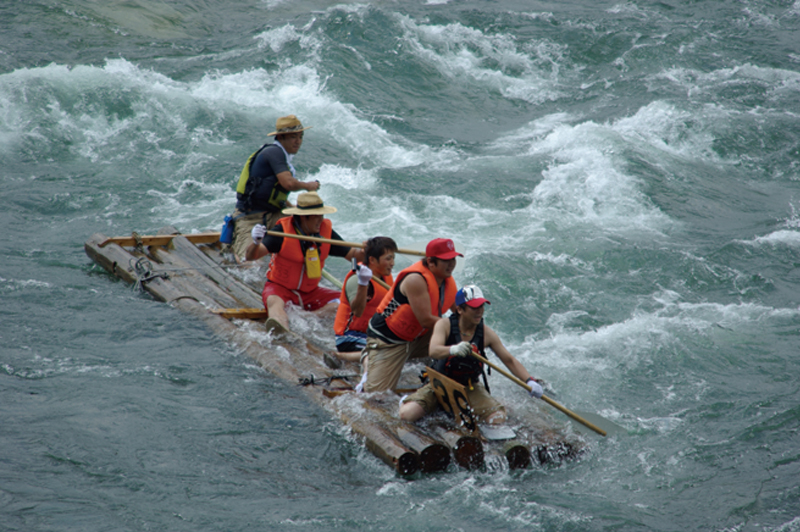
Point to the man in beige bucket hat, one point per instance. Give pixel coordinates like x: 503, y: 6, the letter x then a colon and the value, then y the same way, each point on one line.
x: 266, y: 180
x: 296, y: 267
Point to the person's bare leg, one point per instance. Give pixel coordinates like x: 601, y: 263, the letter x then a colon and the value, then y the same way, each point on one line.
x: 411, y: 411
x: 347, y: 356
x: 276, y: 310
x: 496, y: 418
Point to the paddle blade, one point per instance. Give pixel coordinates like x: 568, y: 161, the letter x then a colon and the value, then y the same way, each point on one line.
x: 497, y: 432
x: 599, y: 421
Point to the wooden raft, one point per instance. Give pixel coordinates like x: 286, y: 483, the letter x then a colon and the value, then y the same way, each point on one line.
x: 190, y: 273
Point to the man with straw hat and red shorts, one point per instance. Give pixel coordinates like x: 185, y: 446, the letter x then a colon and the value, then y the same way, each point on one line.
x: 296, y: 267
x: 266, y: 180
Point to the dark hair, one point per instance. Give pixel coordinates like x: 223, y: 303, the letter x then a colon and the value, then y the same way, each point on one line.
x: 377, y: 246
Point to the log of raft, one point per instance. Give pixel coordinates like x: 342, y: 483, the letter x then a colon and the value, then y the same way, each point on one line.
x: 190, y: 273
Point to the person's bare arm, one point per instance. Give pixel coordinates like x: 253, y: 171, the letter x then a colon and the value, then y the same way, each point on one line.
x: 492, y: 341
x: 437, y: 347
x: 288, y: 182
x: 416, y: 290
x: 255, y: 251
x: 359, y: 303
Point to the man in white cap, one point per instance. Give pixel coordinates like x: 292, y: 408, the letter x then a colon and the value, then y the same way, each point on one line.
x: 452, y: 341
x: 296, y: 266
x: 266, y: 180
x: 401, y: 326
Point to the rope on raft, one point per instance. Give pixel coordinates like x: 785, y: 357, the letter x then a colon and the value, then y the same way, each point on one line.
x: 143, y: 269
x: 312, y: 381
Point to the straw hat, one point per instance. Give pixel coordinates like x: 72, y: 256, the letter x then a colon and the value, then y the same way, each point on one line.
x: 288, y: 124
x: 309, y: 203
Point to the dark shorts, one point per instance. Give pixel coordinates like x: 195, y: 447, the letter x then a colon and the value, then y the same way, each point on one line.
x: 351, y: 341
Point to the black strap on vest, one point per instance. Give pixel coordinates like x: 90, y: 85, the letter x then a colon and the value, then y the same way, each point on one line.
x: 463, y: 369
x: 254, y: 182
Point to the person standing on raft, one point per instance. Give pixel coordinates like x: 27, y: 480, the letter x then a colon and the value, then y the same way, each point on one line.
x: 401, y: 327
x: 266, y: 180
x: 296, y: 266
x: 452, y: 341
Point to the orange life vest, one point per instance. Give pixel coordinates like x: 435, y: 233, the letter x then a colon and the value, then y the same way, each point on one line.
x: 288, y: 266
x: 345, y: 320
x: 400, y: 318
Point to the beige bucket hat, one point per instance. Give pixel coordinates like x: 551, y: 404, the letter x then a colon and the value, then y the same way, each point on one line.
x: 288, y: 124
x: 309, y: 203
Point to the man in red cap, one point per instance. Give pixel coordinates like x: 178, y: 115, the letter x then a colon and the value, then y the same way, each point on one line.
x: 401, y: 326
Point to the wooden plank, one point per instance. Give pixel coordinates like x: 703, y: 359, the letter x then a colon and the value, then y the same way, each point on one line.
x: 159, y: 240
x: 194, y: 258
x: 113, y: 259
x: 242, y: 313
x: 189, y: 281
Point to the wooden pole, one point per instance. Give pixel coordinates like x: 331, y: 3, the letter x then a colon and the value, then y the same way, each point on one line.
x: 546, y: 399
x: 321, y: 240
x: 213, y: 237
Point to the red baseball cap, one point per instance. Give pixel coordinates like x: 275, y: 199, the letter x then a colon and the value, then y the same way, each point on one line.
x: 442, y: 248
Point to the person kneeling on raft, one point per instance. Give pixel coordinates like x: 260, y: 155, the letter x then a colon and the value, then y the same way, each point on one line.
x: 363, y: 289
x: 452, y: 341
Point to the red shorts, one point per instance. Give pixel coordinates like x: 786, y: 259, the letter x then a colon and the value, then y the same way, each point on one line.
x: 312, y: 300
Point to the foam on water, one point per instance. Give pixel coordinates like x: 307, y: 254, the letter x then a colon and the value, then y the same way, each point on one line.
x: 462, y: 53
x: 674, y: 330
x: 784, y: 236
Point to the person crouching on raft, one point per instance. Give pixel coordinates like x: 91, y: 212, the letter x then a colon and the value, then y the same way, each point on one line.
x: 401, y: 326
x: 360, y: 297
x: 452, y: 341
x: 296, y: 266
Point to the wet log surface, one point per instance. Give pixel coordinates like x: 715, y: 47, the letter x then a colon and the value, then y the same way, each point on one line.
x: 197, y: 279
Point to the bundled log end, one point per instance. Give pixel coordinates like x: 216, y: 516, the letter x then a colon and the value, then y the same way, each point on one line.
x: 468, y: 452
x: 434, y: 458
x: 404, y: 461
x: 518, y: 455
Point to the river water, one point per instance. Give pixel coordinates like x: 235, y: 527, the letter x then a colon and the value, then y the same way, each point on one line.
x: 624, y: 179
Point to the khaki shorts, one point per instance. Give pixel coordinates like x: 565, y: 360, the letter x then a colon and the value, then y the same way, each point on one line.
x: 386, y: 361
x: 483, y: 404
x: 245, y: 224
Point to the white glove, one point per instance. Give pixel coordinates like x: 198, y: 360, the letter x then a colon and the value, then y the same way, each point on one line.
x: 536, y: 389
x: 364, y: 275
x: 461, y: 350
x: 258, y: 233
